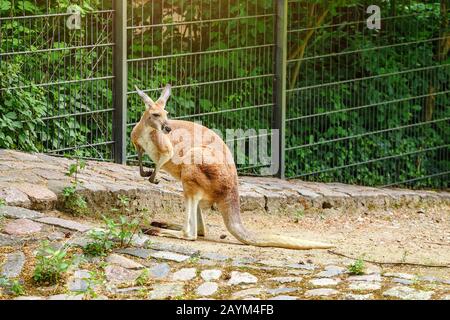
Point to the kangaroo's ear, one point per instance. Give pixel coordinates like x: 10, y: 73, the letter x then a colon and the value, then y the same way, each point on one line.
x: 147, y: 100
x: 165, y: 94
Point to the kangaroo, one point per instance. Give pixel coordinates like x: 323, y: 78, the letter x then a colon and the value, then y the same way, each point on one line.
x: 198, y: 157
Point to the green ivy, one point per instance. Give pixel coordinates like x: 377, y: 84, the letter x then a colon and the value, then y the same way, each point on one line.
x: 25, y: 106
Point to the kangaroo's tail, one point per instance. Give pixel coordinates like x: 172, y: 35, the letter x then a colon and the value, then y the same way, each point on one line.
x: 230, y: 209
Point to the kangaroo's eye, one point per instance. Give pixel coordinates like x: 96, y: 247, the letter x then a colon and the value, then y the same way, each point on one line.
x: 156, y: 115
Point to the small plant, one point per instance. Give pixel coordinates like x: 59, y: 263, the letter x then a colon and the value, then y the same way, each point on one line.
x: 143, y: 278
x: 194, y: 259
x: 74, y: 202
x: 95, y: 278
x: 14, y: 286
x: 124, y: 205
x: 76, y: 167
x: 4, y: 282
x: 102, y: 243
x: 51, y: 264
x: 124, y: 201
x: 17, y: 288
x: 357, y: 268
x: 298, y: 216
x: 115, y: 235
x: 127, y: 229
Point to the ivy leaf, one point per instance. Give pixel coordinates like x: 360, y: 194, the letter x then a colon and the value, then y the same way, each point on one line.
x: 11, y: 115
x: 205, y: 104
x: 5, y: 5
x: 28, y: 6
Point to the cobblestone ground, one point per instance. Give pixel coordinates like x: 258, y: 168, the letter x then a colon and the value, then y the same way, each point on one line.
x: 159, y: 268
x: 154, y: 269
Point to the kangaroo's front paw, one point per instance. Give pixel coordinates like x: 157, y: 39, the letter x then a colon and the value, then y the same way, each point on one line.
x: 153, y: 178
x: 145, y: 174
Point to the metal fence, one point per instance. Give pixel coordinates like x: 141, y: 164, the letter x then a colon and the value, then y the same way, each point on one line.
x: 57, y: 82
x: 366, y: 105
x: 219, y: 61
x: 353, y: 105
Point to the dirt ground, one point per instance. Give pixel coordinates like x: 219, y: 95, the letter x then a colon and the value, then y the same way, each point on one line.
x: 400, y: 236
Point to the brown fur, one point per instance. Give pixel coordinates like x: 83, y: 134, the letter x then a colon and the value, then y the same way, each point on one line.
x: 212, y: 180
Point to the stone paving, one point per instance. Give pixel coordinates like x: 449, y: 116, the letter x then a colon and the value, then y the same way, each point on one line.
x: 150, y: 269
x: 36, y: 181
x: 153, y: 268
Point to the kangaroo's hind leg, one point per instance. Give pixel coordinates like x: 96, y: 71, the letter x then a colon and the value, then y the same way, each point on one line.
x: 201, y: 226
x: 189, y: 231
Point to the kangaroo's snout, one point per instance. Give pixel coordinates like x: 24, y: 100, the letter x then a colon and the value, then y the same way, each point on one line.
x: 167, y: 129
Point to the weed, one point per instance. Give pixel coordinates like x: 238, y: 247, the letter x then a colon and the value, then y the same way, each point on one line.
x: 127, y: 229
x: 14, y: 286
x: 75, y: 168
x: 95, y: 278
x: 124, y: 205
x: 74, y: 202
x: 51, y: 264
x: 115, y: 235
x: 17, y: 288
x: 298, y: 216
x: 194, y: 259
x: 143, y: 278
x: 124, y: 201
x: 357, y: 268
x: 101, y: 244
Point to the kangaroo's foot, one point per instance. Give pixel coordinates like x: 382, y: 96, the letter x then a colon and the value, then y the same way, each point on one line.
x: 174, y: 226
x: 166, y: 225
x: 171, y: 234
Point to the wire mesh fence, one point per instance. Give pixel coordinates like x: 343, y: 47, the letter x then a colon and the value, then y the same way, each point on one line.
x: 368, y: 106
x: 354, y: 104
x: 218, y: 58
x: 56, y: 79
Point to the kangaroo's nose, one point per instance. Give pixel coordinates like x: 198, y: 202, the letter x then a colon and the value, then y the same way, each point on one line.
x: 167, y: 129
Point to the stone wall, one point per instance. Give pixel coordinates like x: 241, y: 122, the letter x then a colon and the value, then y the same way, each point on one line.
x: 36, y: 181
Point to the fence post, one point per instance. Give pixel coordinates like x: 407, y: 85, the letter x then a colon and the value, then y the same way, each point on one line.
x: 279, y: 111
x: 120, y: 81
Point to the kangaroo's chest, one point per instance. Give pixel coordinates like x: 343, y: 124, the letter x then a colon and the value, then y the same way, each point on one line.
x: 155, y: 144
x: 150, y: 148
